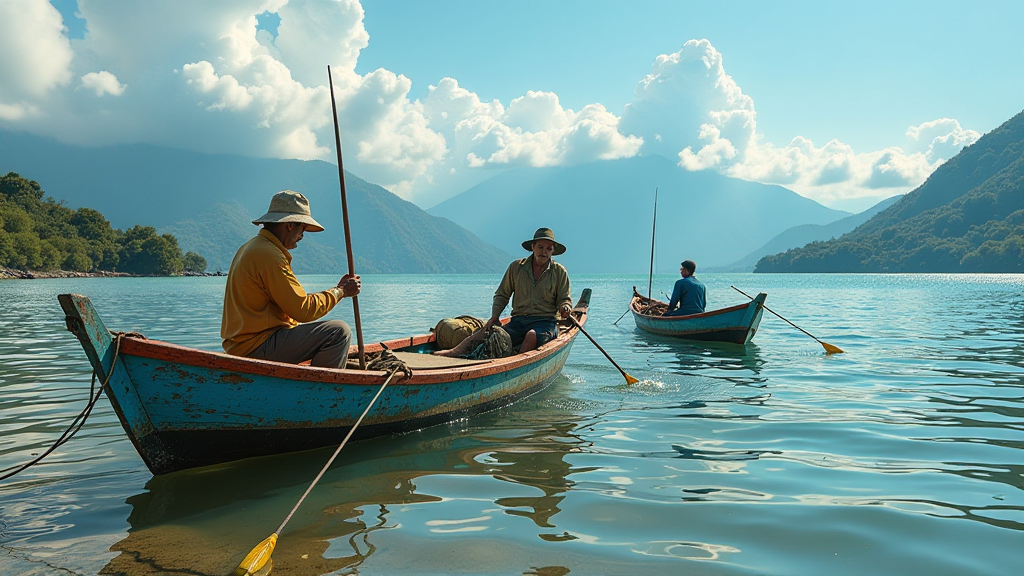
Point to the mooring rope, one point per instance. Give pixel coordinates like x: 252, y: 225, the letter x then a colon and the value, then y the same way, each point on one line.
x: 79, y: 421
x: 387, y: 361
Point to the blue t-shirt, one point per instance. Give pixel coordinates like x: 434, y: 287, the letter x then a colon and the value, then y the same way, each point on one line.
x: 688, y: 294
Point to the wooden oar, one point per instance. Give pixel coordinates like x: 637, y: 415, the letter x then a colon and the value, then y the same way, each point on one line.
x: 621, y: 317
x: 829, y: 349
x: 259, y: 558
x: 629, y: 379
x: 344, y: 217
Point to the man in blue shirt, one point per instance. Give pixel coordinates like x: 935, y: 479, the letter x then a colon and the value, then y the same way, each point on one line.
x: 688, y: 293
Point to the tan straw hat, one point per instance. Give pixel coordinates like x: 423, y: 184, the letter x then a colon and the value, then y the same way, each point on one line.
x: 544, y: 234
x: 288, y: 206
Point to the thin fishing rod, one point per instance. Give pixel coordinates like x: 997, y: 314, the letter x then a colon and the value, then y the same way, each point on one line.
x: 654, y: 226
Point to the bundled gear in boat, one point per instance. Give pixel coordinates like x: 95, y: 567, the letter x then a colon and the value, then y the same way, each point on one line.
x: 451, y: 332
x: 496, y: 344
x: 484, y: 344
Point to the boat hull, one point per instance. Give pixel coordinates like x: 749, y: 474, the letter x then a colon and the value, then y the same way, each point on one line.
x: 184, y: 408
x: 736, y: 324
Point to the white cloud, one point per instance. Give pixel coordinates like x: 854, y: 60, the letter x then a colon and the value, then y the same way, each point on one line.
x: 102, y: 82
x: 684, y: 93
x: 199, y: 75
x: 36, y: 54
x: 940, y: 139
x: 689, y: 107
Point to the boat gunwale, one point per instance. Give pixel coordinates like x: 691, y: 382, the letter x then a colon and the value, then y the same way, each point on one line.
x: 638, y: 298
x: 169, y: 352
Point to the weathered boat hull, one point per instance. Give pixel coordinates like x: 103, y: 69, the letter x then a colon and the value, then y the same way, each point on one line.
x: 736, y: 324
x: 184, y: 408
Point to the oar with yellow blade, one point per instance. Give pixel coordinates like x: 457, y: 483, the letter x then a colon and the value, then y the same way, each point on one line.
x: 258, y: 560
x: 829, y: 349
x: 629, y: 379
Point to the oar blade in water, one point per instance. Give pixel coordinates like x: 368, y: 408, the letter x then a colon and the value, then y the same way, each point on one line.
x: 258, y: 559
x: 630, y: 379
x: 830, y: 349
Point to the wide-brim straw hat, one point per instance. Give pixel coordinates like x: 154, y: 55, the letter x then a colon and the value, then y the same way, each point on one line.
x: 288, y: 206
x: 544, y: 234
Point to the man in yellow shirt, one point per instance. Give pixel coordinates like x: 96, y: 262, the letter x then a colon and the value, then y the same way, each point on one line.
x: 539, y: 289
x: 267, y: 314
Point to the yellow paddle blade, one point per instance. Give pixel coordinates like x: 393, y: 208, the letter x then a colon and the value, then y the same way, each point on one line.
x: 830, y: 349
x: 630, y: 379
x: 259, y: 558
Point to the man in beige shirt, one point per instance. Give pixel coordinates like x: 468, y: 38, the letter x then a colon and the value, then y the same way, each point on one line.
x: 267, y: 314
x: 540, y: 292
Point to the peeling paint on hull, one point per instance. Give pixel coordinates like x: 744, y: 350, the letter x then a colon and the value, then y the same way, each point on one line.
x: 184, y: 408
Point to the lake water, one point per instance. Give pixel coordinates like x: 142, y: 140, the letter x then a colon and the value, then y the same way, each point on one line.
x: 903, y: 456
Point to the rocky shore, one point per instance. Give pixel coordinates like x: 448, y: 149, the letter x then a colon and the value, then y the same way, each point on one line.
x: 13, y: 274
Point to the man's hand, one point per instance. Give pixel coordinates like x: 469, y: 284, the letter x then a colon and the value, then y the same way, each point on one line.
x: 349, y: 285
x: 490, y: 322
x: 564, y: 311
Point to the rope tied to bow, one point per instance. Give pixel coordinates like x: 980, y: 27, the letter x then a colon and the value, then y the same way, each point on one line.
x: 79, y: 421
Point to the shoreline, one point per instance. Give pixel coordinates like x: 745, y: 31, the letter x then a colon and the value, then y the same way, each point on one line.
x: 15, y: 274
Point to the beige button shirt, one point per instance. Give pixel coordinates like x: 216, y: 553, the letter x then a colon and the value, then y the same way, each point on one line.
x: 540, y: 297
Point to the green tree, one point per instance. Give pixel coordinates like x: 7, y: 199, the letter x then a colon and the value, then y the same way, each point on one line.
x: 194, y: 262
x: 27, y: 250
x: 144, y: 252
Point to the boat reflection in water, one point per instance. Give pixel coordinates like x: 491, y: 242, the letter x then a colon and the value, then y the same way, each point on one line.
x: 202, y: 521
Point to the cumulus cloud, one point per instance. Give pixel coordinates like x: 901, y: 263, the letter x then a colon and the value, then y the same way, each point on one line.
x: 36, y: 55
x: 102, y: 82
x: 940, y: 139
x: 689, y: 107
x: 224, y: 85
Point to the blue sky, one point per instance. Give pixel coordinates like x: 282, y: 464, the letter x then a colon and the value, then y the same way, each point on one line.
x: 843, y: 102
x: 859, y: 71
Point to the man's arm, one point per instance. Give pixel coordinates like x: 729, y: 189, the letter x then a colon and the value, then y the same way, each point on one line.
x: 563, y: 290
x: 286, y: 291
x: 501, y: 296
x: 677, y: 295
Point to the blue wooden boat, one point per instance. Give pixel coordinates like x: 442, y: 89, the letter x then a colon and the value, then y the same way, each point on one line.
x: 184, y: 408
x: 736, y: 324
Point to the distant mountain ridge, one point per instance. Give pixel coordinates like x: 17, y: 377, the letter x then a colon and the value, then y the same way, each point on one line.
x: 602, y: 211
x: 798, y: 236
x: 967, y: 217
x: 208, y: 201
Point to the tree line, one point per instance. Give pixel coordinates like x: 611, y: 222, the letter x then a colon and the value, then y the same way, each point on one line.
x: 40, y: 233
x: 967, y: 217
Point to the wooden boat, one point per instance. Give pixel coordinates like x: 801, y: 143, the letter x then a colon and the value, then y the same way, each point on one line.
x: 736, y: 324
x: 184, y: 408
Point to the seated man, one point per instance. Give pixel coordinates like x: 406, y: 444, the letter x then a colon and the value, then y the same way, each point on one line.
x: 264, y: 304
x: 688, y: 293
x: 539, y: 289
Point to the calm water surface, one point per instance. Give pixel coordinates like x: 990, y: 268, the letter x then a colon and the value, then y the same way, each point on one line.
x: 903, y: 456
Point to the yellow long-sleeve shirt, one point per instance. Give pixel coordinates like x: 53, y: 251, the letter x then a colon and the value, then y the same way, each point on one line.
x: 262, y: 296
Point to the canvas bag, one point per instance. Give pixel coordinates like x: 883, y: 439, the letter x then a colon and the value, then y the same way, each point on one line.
x: 451, y: 332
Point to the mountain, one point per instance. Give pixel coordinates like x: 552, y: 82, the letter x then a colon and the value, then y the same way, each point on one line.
x: 602, y: 211
x: 208, y: 202
x: 967, y: 217
x: 805, y: 234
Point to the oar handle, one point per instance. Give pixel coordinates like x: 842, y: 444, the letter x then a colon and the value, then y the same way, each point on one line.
x: 338, y: 451
x: 779, y: 316
x: 628, y: 378
x: 828, y: 347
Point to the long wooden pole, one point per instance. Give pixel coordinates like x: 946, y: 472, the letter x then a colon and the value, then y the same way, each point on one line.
x: 344, y: 218
x: 629, y: 379
x: 654, y: 226
x: 829, y: 348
